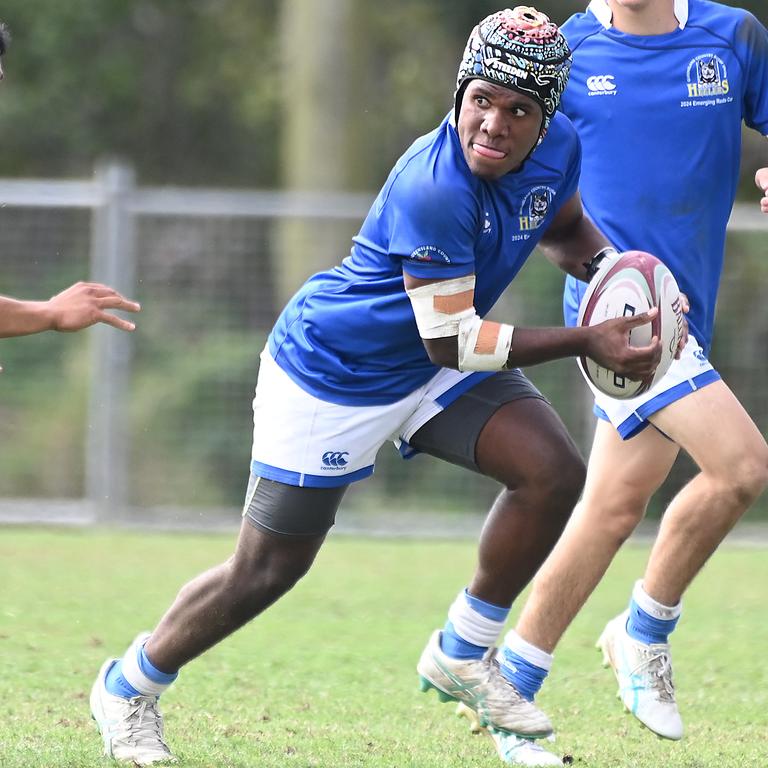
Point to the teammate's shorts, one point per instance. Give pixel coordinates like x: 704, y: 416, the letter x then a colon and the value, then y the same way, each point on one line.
x: 307, y: 451
x: 690, y: 372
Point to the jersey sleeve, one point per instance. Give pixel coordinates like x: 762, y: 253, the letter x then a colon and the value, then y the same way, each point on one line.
x: 432, y: 227
x: 752, y: 48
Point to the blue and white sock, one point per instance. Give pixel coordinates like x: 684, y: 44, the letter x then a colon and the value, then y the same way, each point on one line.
x: 473, y: 626
x: 135, y: 675
x: 649, y: 621
x: 523, y: 664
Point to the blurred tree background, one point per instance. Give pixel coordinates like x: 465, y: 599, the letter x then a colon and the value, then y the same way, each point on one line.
x: 299, y: 94
x: 205, y: 91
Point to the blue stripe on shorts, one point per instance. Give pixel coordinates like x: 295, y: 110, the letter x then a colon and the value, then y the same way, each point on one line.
x: 309, y: 481
x: 638, y: 420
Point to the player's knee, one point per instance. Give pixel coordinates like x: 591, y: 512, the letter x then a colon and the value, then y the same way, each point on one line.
x: 749, y: 476
x: 260, y: 582
x: 569, y: 474
x: 561, y: 481
x: 620, y: 524
x: 615, y: 514
x: 279, y: 576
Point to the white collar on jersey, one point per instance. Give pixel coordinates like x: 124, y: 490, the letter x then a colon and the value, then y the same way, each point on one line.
x: 603, y: 13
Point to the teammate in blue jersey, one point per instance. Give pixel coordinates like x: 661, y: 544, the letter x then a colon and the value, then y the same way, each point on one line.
x: 392, y: 344
x: 658, y: 91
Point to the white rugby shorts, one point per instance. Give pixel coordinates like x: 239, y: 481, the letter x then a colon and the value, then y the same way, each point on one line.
x: 301, y: 440
x: 690, y: 372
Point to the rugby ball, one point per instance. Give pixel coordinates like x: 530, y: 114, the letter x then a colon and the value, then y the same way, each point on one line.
x: 631, y: 284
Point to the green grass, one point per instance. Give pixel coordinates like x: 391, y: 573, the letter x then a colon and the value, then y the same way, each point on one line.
x: 326, y: 677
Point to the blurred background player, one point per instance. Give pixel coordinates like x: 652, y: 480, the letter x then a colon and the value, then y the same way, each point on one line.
x: 391, y: 344
x: 657, y: 93
x: 79, y: 306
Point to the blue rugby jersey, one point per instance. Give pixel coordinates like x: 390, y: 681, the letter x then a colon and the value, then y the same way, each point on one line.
x: 349, y: 335
x: 659, y: 118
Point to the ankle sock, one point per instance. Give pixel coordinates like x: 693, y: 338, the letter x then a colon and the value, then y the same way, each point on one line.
x: 650, y: 621
x: 135, y: 675
x: 523, y: 664
x: 472, y: 627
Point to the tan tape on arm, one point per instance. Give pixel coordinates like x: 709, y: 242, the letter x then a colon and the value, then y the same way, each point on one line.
x: 483, y: 344
x: 440, y: 307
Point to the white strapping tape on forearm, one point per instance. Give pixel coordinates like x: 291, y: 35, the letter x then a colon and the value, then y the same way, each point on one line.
x: 440, y: 307
x: 483, y: 345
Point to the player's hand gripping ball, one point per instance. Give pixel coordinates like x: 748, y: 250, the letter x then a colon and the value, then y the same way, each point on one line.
x: 631, y: 284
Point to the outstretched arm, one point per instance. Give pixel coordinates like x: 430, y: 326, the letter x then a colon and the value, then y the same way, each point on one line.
x: 456, y: 337
x: 79, y: 306
x: 761, y: 179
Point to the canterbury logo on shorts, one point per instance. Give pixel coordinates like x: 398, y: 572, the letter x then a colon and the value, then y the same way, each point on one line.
x: 335, y: 459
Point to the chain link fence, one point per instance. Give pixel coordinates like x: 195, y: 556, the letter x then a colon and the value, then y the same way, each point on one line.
x: 154, y: 428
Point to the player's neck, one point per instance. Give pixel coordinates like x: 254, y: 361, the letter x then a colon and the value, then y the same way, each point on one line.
x: 654, y: 17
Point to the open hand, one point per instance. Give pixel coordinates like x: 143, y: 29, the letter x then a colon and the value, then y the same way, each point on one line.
x: 85, y: 304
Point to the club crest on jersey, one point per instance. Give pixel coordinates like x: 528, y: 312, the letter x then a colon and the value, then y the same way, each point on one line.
x: 535, y: 207
x: 430, y: 253
x: 707, y: 76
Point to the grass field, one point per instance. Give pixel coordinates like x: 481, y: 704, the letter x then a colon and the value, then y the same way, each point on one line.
x: 326, y: 679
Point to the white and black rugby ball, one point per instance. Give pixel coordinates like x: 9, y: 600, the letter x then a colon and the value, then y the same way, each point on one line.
x: 634, y: 282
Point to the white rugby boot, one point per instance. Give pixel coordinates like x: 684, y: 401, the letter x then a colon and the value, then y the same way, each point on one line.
x: 131, y: 729
x: 513, y: 750
x: 481, y: 686
x: 644, y: 674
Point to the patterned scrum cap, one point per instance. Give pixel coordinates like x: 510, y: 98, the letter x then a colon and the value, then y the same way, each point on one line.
x: 519, y: 49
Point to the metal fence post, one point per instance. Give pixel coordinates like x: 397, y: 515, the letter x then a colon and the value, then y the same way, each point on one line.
x: 113, y: 261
